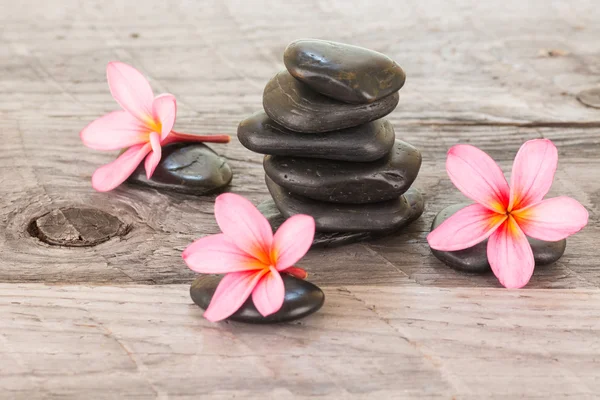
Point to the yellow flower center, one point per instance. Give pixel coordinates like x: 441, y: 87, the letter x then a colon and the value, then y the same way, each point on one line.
x: 153, y: 125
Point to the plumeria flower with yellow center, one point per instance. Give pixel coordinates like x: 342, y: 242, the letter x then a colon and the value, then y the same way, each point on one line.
x: 250, y: 255
x: 143, y: 126
x: 507, y: 215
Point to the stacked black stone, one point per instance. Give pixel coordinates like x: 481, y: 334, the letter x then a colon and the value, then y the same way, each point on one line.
x: 329, y: 152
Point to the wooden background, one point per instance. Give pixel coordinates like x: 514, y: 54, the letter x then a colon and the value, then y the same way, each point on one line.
x: 116, y: 321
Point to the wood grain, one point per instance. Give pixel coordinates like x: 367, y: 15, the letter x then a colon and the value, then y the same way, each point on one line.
x: 396, y: 323
x: 366, y: 342
x: 454, y: 93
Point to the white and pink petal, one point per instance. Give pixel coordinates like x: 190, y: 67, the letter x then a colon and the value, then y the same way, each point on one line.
x: 244, y: 225
x: 510, y: 255
x: 478, y: 177
x: 552, y: 219
x: 467, y: 227
x: 233, y: 290
x: 114, y: 131
x: 293, y: 240
x: 532, y: 173
x: 216, y: 254
x: 164, y: 109
x: 269, y: 293
x: 155, y: 155
x: 111, y: 175
x: 131, y: 90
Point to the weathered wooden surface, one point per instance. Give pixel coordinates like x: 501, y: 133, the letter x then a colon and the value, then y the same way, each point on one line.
x: 397, y: 322
x: 367, y: 342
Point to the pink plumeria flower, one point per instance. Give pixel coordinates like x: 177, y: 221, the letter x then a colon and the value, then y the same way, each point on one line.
x: 143, y: 126
x: 506, y: 215
x: 250, y: 255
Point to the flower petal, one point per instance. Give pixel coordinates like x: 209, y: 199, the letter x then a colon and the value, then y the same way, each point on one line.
x: 268, y: 295
x: 552, y: 219
x: 467, y: 227
x: 154, y: 157
x: 292, y: 240
x: 510, y: 255
x: 296, y: 272
x: 114, y: 131
x: 111, y: 175
x: 216, y: 254
x: 164, y: 109
x: 244, y: 225
x: 233, y: 290
x: 131, y: 90
x: 478, y: 177
x: 532, y: 173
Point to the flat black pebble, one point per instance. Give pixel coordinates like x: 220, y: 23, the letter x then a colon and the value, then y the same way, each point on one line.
x: 302, y: 298
x: 347, y: 182
x: 335, y: 239
x: 333, y: 217
x: 474, y: 259
x: 344, y: 72
x: 297, y: 107
x: 192, y: 168
x: 363, y: 143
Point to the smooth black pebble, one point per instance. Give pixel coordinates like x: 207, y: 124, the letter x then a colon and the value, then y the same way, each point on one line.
x: 474, y: 259
x: 302, y: 298
x: 383, y: 217
x: 297, y: 107
x: 347, y: 182
x: 335, y: 239
x: 364, y: 143
x: 192, y: 168
x: 344, y: 72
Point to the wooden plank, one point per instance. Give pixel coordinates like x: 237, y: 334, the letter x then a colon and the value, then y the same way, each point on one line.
x: 472, y: 78
x: 396, y: 323
x: 509, y: 62
x: 366, y: 342
x: 162, y: 225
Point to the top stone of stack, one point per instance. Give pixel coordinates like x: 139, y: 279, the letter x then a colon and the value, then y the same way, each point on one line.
x: 331, y: 86
x: 343, y: 72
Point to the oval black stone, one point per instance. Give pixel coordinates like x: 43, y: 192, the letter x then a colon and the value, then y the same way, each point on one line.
x: 344, y: 72
x: 347, y: 182
x: 297, y: 107
x: 363, y: 143
x: 192, y: 168
x: 302, y: 298
x: 335, y: 239
x: 385, y: 216
x: 474, y: 259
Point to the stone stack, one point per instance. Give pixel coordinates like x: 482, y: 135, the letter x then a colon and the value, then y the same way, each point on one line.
x: 329, y: 151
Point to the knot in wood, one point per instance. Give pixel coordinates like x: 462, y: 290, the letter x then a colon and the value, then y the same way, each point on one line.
x: 77, y: 227
x: 590, y: 97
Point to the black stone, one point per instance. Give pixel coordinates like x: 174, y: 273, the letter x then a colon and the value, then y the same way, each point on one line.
x: 382, y: 217
x: 342, y: 71
x: 302, y: 298
x: 362, y: 143
x: 474, y: 259
x: 297, y: 107
x: 335, y: 239
x: 192, y: 168
x: 347, y: 182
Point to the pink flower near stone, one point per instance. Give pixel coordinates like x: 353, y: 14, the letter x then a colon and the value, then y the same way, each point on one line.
x: 143, y: 126
x: 507, y: 215
x: 250, y: 255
